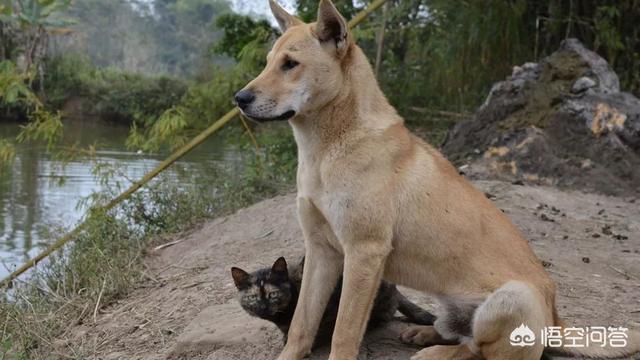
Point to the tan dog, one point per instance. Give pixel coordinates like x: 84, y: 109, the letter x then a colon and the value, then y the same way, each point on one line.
x: 375, y: 201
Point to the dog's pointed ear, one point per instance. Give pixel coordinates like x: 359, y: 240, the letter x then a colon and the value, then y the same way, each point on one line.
x: 240, y: 277
x: 279, y: 268
x: 331, y: 26
x: 285, y: 20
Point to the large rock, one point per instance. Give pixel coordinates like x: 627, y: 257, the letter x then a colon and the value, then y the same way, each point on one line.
x: 562, y: 121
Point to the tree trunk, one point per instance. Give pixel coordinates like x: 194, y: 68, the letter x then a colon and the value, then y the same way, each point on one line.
x: 380, y: 39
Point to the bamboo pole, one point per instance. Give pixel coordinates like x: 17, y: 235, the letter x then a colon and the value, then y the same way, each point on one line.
x: 366, y: 12
x: 157, y: 170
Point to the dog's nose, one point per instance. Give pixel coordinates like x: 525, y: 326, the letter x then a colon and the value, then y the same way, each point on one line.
x: 244, y: 98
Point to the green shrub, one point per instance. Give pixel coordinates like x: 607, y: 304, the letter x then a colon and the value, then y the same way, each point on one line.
x: 19, y: 102
x: 110, y: 93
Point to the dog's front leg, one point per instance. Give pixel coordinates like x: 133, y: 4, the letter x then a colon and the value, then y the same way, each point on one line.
x: 363, y: 269
x: 322, y: 268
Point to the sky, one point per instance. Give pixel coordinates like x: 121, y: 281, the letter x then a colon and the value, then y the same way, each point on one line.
x: 256, y: 7
x: 260, y: 7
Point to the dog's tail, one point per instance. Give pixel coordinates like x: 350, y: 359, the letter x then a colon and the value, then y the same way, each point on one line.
x: 413, y: 312
x: 596, y: 350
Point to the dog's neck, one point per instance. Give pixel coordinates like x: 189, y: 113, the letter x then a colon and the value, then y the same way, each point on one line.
x: 359, y: 109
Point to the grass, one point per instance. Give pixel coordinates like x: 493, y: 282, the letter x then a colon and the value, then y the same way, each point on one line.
x: 106, y: 261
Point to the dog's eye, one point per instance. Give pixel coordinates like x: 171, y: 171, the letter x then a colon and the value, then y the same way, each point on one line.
x: 289, y: 64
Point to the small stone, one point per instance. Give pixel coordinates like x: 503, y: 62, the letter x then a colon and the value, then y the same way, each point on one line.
x: 586, y: 260
x: 586, y: 164
x: 596, y: 235
x: 516, y: 70
x: 582, y: 84
x: 544, y: 217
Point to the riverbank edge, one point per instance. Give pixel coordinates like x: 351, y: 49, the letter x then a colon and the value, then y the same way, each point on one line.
x: 105, y: 262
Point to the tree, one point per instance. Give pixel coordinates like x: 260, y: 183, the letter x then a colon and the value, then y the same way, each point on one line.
x: 34, y: 19
x: 239, y: 31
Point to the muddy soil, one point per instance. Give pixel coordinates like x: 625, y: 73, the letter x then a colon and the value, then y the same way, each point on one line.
x: 185, y: 309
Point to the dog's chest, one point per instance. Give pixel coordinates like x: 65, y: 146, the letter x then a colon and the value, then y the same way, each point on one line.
x: 325, y: 196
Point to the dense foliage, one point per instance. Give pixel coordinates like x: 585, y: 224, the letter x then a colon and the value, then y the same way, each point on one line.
x: 441, y: 55
x: 446, y: 54
x: 435, y: 54
x: 109, y: 93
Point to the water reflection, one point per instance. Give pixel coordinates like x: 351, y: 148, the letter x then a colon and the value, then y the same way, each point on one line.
x: 33, y: 200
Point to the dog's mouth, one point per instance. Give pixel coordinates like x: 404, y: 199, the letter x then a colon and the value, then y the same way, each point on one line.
x: 284, y: 116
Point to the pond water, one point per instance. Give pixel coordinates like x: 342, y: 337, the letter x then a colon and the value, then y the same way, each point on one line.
x: 33, y: 199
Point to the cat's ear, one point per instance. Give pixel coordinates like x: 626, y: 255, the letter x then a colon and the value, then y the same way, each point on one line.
x: 240, y: 277
x: 279, y: 268
x: 285, y: 20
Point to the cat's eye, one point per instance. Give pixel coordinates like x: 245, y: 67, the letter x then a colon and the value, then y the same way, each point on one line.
x: 289, y: 64
x: 272, y: 295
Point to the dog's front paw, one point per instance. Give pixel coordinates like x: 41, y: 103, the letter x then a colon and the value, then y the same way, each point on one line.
x: 291, y: 354
x: 285, y: 356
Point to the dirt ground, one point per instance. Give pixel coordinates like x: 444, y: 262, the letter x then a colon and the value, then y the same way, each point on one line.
x: 185, y: 309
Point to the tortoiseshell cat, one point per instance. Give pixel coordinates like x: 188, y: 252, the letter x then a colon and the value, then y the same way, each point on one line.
x: 272, y: 294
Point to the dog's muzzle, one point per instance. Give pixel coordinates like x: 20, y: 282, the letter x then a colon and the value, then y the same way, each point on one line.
x: 244, y: 98
x: 285, y: 116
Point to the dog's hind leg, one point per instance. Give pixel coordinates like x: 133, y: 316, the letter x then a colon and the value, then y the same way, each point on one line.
x: 322, y: 268
x: 506, y: 309
x: 512, y: 305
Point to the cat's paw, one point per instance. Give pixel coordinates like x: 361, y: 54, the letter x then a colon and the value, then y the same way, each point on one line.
x: 420, y: 335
